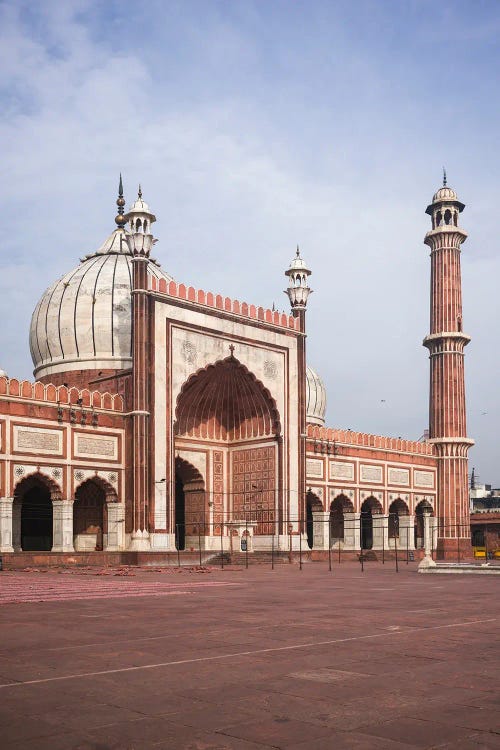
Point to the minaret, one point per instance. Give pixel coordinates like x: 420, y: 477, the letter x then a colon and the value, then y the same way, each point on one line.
x: 298, y: 292
x: 446, y: 342
x: 140, y: 241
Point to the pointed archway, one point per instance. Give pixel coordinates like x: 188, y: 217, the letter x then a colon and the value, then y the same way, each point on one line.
x: 370, y: 507
x: 225, y: 407
x: 89, y: 517
x: 313, y: 505
x: 32, y: 513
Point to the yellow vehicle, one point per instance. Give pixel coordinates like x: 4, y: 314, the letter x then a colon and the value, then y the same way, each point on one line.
x: 479, y: 552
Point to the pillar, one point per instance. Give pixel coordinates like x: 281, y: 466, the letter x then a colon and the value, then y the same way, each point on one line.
x: 321, y: 525
x: 380, y: 531
x: 6, y: 544
x: 427, y: 561
x: 352, y: 531
x: 62, y: 526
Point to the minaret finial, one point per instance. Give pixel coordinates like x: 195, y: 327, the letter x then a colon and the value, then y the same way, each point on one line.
x: 298, y: 251
x: 139, y: 194
x: 444, y: 177
x: 120, y: 219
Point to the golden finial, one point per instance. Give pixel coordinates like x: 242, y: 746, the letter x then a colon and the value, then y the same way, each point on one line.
x: 120, y: 219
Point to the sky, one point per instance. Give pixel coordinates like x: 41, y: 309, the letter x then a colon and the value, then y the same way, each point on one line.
x: 254, y: 126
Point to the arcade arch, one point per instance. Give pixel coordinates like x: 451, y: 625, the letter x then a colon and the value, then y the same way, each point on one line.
x: 338, y: 507
x: 370, y: 507
x: 32, y: 513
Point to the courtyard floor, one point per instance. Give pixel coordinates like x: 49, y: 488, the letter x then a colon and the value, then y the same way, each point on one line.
x: 250, y: 659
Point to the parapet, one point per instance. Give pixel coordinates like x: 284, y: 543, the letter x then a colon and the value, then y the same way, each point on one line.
x: 51, y: 394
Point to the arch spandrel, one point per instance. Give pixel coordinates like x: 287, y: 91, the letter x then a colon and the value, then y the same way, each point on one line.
x: 108, y: 489
x: 32, y: 480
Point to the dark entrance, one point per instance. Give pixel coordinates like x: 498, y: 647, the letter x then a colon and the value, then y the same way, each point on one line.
x: 369, y: 507
x: 89, y: 513
x: 180, y: 514
x: 313, y: 504
x: 36, y: 519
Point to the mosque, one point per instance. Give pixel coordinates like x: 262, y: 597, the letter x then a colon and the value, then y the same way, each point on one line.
x: 165, y: 417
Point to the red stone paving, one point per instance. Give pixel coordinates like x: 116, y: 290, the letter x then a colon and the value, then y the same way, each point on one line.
x: 249, y: 659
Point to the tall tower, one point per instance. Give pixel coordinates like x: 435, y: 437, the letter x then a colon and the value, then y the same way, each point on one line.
x: 298, y: 291
x: 446, y: 342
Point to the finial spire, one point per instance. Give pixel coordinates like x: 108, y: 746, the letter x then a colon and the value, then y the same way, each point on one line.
x: 444, y: 177
x: 298, y: 251
x: 120, y: 219
x: 139, y: 194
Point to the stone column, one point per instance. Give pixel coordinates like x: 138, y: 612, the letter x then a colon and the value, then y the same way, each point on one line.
x: 116, y: 527
x: 6, y: 524
x: 380, y: 531
x: 321, y: 522
x: 62, y: 526
x: 352, y: 531
x: 406, y: 532
x: 427, y: 561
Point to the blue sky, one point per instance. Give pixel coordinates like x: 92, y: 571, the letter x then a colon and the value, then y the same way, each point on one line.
x: 254, y: 126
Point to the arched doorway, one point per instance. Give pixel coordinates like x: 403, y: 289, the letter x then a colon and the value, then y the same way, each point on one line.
x: 396, y: 509
x: 226, y: 406
x: 423, y: 506
x: 90, y: 517
x: 338, y: 507
x: 191, y: 520
x: 33, y: 514
x: 313, y: 505
x: 370, y: 507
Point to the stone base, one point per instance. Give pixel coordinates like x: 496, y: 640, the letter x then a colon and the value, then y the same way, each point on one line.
x: 454, y: 550
x: 140, y: 541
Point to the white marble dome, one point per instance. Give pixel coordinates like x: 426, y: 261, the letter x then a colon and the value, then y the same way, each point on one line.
x: 315, y: 398
x: 84, y: 320
x: 444, y: 193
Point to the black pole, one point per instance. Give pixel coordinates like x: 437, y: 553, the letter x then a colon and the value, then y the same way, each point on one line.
x: 300, y: 544
x: 272, y: 552
x: 458, y: 544
x: 199, y: 540
x: 361, y: 557
x: 383, y: 544
x: 221, y: 546
x: 178, y: 545
x: 246, y: 542
x: 407, y: 546
x: 329, y: 544
x: 396, y: 548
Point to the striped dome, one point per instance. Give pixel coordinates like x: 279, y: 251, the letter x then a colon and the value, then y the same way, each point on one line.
x: 315, y: 398
x: 84, y: 320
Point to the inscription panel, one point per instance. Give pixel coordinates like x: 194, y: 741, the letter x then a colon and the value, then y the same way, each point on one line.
x: 368, y: 473
x: 399, y: 476
x: 423, y: 478
x: 314, y: 467
x: 38, y: 440
x: 101, y: 447
x: 341, y: 470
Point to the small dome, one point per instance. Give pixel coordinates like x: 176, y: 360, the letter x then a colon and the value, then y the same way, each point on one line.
x: 3, y: 374
x: 297, y: 264
x: 139, y: 206
x: 315, y: 398
x: 444, y: 193
x: 84, y: 320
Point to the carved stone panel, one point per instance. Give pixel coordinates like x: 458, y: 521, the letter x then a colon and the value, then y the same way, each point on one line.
x: 341, y: 470
x: 369, y: 473
x: 423, y: 478
x: 399, y: 476
x: 37, y: 440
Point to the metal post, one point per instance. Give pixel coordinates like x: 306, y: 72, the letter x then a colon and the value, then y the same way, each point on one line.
x: 361, y: 558
x: 272, y: 552
x: 199, y: 540
x: 246, y: 542
x: 383, y: 544
x: 300, y: 545
x: 396, y: 549
x: 407, y: 546
x: 221, y: 546
x: 486, y: 544
x: 458, y: 544
x: 329, y: 544
x: 178, y: 545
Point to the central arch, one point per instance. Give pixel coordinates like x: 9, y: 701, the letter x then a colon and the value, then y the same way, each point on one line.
x: 230, y: 412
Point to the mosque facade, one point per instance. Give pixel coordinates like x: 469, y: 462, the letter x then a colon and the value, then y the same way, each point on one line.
x: 165, y: 417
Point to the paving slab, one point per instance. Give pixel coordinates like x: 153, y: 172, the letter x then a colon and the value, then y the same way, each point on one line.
x: 278, y: 659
